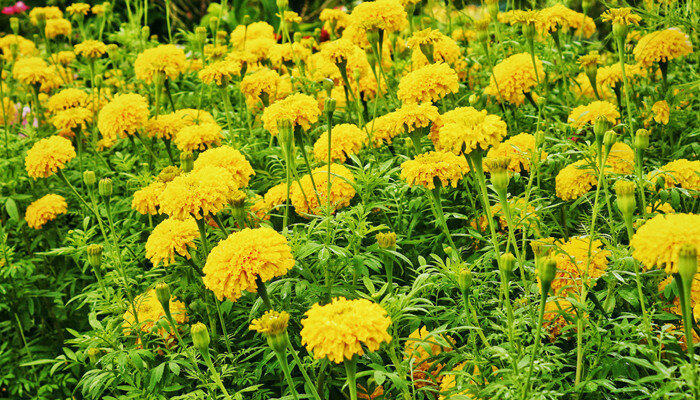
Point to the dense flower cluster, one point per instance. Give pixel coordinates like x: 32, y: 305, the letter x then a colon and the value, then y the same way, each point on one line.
x: 429, y: 83
x: 436, y: 166
x: 656, y: 243
x: 44, y: 210
x: 514, y: 77
x: 197, y: 193
x: 310, y: 197
x: 48, y: 155
x: 465, y: 129
x: 170, y: 237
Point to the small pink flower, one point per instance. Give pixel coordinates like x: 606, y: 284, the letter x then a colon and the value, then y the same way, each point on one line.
x: 21, y: 7
x: 10, y: 10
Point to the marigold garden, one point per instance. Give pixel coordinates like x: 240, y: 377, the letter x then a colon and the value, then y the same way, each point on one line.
x: 390, y: 199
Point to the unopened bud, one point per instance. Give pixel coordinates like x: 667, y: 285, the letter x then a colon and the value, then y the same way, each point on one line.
x: 609, y: 139
x: 297, y: 37
x: 328, y: 86
x: 145, y: 32
x: 163, y: 296
x: 94, y: 255
x: 168, y: 174
x: 619, y: 30
x: 600, y: 126
x: 89, y: 178
x: 641, y: 139
x: 92, y: 353
x: 507, y: 262
x: 201, y: 33
x: 539, y: 138
x: 186, y: 161
x: 546, y: 271
x: 464, y: 279
x: 104, y: 188
x: 329, y: 105
x: 200, y: 337
x: 14, y: 24
x: 687, y: 262
x: 282, y: 4
x: 626, y: 202
x: 387, y: 240
x: 498, y: 168
x: 221, y: 36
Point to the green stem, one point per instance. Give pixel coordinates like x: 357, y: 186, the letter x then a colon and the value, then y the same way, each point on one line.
x: 350, y: 372
x: 536, y: 347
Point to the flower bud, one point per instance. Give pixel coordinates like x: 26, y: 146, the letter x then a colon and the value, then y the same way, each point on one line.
x: 163, y: 296
x: 609, y: 139
x: 329, y: 105
x: 625, y: 198
x: 464, y: 279
x: 14, y: 24
x: 641, y: 139
x: 545, y: 272
x: 89, y: 178
x: 498, y: 167
x: 282, y: 4
x: 539, y: 138
x: 186, y: 161
x: 93, y: 353
x: 168, y: 174
x: 221, y: 36
x: 104, y: 188
x: 200, y: 337
x: 529, y: 31
x: 297, y: 37
x: 273, y: 325
x: 600, y: 125
x: 387, y: 240
x: 687, y: 262
x: 94, y: 255
x: 201, y: 33
x: 145, y: 32
x: 245, y: 20
x: 328, y: 86
x: 506, y: 264
x: 619, y: 30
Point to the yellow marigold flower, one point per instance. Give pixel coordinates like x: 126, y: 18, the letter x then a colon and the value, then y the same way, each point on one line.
x: 559, y: 16
x: 72, y: 118
x: 303, y: 195
x: 426, y: 168
x: 198, y: 137
x: 58, y: 27
x: 679, y: 173
x: 429, y: 83
x: 381, y: 15
x: 656, y: 243
x: 48, y: 155
x: 290, y: 17
x: 67, y: 98
x: 423, y: 345
x: 242, y: 33
x: 124, y: 115
x: 165, y: 126
x: 591, y: 59
x: 220, y: 73
x: 588, y: 114
x: 299, y: 109
x: 15, y: 46
x: 258, y: 85
x: 423, y: 37
x: 356, y: 33
x: 412, y: 116
x: 260, y: 47
x: 273, y: 198
x: 90, y: 49
x: 334, y: 19
x: 346, y: 140
x: 573, y: 263
x: 230, y: 159
x: 235, y: 263
x: 464, y: 35
x: 465, y: 129
x: 321, y: 67
x: 169, y: 237
x: 607, y: 78
x: 215, y: 51
x: 282, y: 54
x: 523, y: 214
x: 661, y: 112
x: 44, y: 210
x: 444, y: 49
x: 8, y: 111
x: 662, y: 46
x: 513, y: 77
x: 575, y: 180
x: 99, y: 9
x: 620, y: 159
x: 338, y: 51
x: 167, y: 60
x: 558, y: 313
x: 271, y: 323
x: 659, y: 207
x: 197, y: 193
x: 622, y: 16
x: 383, y: 129
x: 31, y: 71
x: 145, y: 200
x: 520, y: 149
x: 78, y: 8
x: 45, y: 13
x: 150, y: 311
x: 191, y: 116
x: 339, y: 330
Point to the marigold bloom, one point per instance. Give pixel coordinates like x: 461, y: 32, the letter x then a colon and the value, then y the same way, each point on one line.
x: 303, y: 195
x: 679, y: 173
x: 271, y: 323
x: 8, y: 111
x: 31, y: 71
x: 170, y: 237
x: 258, y: 85
x: 299, y: 109
x: 78, y: 9
x: 220, y: 73
x: 442, y: 48
x: 465, y: 129
x: 165, y: 126
x: 44, y: 210
x: 656, y: 243
x: 346, y: 140
x: 230, y: 159
x: 340, y: 329
x: 573, y: 263
x: 620, y: 159
x: 383, y: 129
x: 610, y: 77
x: 145, y: 200
x: 422, y: 345
x: 273, y: 198
x: 90, y: 49
x: 588, y: 114
x: 334, y: 19
x: 522, y: 213
x: 67, y: 98
x: 558, y: 313
x: 426, y: 168
x: 167, y: 60
x: 150, y: 311
x: 45, y: 13
x: 15, y: 46
x: 235, y: 263
x: 662, y: 46
x: 198, y: 137
x: 559, y: 16
x: 661, y: 112
x: 124, y: 115
x: 48, y: 155
x: 622, y: 16
x: 57, y: 27
x: 242, y: 33
x: 72, y: 118
x: 513, y: 77
x: 197, y: 193
x: 338, y: 51
x: 429, y: 83
x: 520, y: 149
x: 382, y: 15
x: 191, y: 116
x: 575, y: 180
x: 412, y: 116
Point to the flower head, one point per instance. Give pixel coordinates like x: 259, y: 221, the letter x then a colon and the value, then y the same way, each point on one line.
x: 662, y: 46
x: 575, y: 180
x: 661, y: 112
x: 465, y: 129
x: 304, y: 197
x: 198, y: 137
x: 274, y: 197
x: 259, y: 85
x: 31, y: 71
x: 383, y: 15
x: 230, y: 159
x: 67, y: 98
x: 298, y: 109
x: 124, y: 115
x: 48, y: 155
x: 167, y: 60
x: 235, y: 263
x: 145, y: 200
x: 149, y: 311
x: 220, y: 73
x: 346, y: 140
x: 340, y: 329
x: 623, y: 16
x: 170, y: 237
x: 429, y: 83
x: 679, y: 173
x: 44, y: 210
x: 427, y: 168
x: 271, y: 323
x: 197, y: 193
x: 573, y: 264
x: 656, y: 243
x: 588, y: 114
x: 58, y: 27
x: 520, y: 149
x: 90, y: 49
x: 68, y: 120
x: 78, y: 9
x: 513, y: 77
